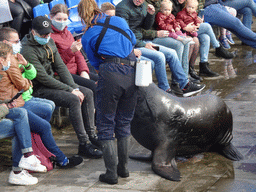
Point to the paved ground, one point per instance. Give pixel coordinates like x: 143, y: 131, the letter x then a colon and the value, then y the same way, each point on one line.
x: 204, y: 172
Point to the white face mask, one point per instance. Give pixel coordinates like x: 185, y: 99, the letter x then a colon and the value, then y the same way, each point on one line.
x: 59, y: 25
x: 16, y: 47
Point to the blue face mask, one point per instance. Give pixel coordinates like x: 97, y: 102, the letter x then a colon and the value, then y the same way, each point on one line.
x: 59, y: 25
x: 16, y: 47
x: 41, y: 40
x: 5, y: 68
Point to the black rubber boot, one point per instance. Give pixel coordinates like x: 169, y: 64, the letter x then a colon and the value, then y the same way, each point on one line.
x: 204, y: 70
x: 122, y: 149
x: 194, y: 75
x: 222, y: 52
x: 110, y: 160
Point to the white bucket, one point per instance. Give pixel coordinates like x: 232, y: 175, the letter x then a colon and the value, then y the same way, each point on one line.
x: 143, y: 76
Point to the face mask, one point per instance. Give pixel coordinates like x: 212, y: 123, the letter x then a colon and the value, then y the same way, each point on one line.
x: 59, y: 25
x: 16, y: 48
x: 5, y: 68
x: 42, y: 41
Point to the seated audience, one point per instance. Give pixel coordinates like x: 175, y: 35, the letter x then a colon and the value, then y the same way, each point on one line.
x: 190, y: 22
x: 69, y: 49
x: 142, y: 16
x: 108, y: 8
x: 54, y: 82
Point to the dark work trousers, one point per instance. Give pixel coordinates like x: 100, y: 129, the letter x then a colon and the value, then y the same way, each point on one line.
x: 81, y: 116
x: 116, y: 98
x: 88, y: 83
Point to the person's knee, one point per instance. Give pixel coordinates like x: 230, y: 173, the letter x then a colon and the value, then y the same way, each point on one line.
x: 204, y: 39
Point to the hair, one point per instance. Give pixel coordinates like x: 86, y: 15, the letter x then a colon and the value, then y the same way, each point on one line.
x: 191, y: 1
x: 88, y: 10
x: 107, y: 6
x: 166, y: 2
x: 5, y: 33
x: 59, y: 8
x: 5, y: 49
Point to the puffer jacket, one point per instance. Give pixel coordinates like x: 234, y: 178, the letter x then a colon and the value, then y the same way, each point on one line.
x: 137, y: 18
x: 12, y: 82
x: 166, y: 22
x: 47, y: 61
x: 74, y: 61
x: 184, y: 18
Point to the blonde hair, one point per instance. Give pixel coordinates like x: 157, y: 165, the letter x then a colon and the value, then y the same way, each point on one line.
x: 165, y: 2
x: 88, y: 10
x: 107, y: 6
x: 191, y: 1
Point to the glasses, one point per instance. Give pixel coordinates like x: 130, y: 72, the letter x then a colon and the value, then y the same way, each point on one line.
x: 17, y: 41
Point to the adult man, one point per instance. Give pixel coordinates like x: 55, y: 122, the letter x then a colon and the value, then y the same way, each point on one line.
x: 140, y: 16
x: 54, y: 82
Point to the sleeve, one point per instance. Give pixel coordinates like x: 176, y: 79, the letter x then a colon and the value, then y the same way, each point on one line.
x: 16, y: 78
x: 81, y: 63
x: 180, y: 19
x: 3, y: 111
x: 163, y: 23
x: 67, y: 55
x: 148, y: 21
x: 29, y: 71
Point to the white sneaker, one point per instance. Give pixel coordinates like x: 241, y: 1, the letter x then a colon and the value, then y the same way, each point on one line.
x: 22, y: 178
x: 32, y: 163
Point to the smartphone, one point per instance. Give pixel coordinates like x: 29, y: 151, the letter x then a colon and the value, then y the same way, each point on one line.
x: 201, y: 13
x: 16, y: 96
x: 156, y: 47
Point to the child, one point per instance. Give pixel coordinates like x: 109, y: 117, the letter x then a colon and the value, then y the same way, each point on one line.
x: 166, y: 21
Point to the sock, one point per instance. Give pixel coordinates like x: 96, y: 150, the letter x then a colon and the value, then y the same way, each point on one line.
x: 17, y: 172
x: 186, y: 86
x: 64, y: 162
x: 28, y: 154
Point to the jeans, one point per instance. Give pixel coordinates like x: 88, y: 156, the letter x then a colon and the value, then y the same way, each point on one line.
x: 81, y: 116
x: 217, y: 14
x: 245, y: 7
x: 19, y: 129
x: 160, y: 58
x: 181, y: 50
x: 42, y: 107
x: 116, y: 99
x: 206, y: 36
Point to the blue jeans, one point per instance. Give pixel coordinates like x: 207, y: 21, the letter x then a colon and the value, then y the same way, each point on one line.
x: 217, y: 14
x: 181, y: 50
x: 42, y: 107
x: 19, y: 129
x: 206, y: 36
x: 245, y: 7
x: 160, y: 58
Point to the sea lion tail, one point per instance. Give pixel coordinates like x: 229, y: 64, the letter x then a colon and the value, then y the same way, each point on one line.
x: 230, y: 151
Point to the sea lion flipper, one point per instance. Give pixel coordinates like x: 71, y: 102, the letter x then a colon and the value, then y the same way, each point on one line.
x: 164, y: 163
x: 141, y: 157
x: 231, y: 152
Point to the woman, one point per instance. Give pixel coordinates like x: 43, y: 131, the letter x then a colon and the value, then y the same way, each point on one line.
x: 69, y: 49
x: 116, y: 96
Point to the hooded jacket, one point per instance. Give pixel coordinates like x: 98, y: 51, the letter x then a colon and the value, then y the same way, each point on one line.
x: 12, y: 82
x: 47, y: 61
x: 75, y: 61
x: 137, y: 18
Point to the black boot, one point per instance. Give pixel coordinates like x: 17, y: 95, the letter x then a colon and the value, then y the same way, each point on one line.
x: 122, y: 149
x: 194, y: 75
x: 222, y: 52
x: 90, y: 151
x: 94, y: 140
x: 204, y: 70
x: 110, y: 160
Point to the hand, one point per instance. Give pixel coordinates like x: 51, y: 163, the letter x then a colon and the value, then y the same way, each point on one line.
x: 12, y: 104
x: 76, y: 46
x: 151, y: 9
x: 84, y: 74
x: 150, y: 46
x: 137, y: 53
x: 190, y: 27
x: 79, y: 94
x: 177, y: 29
x: 162, y: 33
x: 201, y: 19
x: 21, y: 59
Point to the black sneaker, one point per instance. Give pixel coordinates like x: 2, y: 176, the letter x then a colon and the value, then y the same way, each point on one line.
x: 94, y: 140
x: 71, y: 162
x: 222, y: 52
x: 90, y: 151
x: 192, y: 88
x: 175, y: 89
x: 191, y: 79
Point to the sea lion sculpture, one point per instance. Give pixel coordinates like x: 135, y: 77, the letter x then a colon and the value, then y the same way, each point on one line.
x: 171, y: 126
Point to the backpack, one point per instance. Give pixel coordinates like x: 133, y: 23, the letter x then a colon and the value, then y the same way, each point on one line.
x: 46, y: 157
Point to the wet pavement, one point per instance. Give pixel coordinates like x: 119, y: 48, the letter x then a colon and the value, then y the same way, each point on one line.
x: 204, y: 172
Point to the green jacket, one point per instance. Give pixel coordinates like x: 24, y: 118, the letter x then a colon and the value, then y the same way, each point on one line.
x: 137, y: 18
x: 48, y: 63
x: 28, y: 72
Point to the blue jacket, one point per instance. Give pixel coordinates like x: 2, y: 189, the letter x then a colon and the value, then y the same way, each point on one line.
x: 113, y: 44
